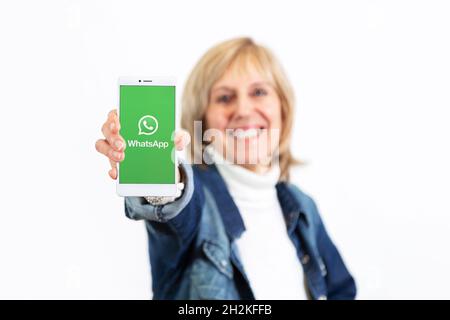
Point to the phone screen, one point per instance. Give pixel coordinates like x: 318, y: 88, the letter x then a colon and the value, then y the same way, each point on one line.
x: 147, y: 121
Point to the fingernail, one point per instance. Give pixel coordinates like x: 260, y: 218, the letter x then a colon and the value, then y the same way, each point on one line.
x: 118, y: 144
x: 112, y: 126
x: 117, y: 155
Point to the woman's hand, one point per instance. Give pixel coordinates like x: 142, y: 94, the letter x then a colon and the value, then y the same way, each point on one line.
x: 113, y: 145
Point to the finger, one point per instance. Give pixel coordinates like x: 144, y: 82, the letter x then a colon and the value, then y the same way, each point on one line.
x: 182, y: 139
x: 112, y: 174
x: 113, y: 171
x: 113, y: 121
x: 104, y: 148
x: 112, y: 112
x: 114, y: 139
x: 179, y: 145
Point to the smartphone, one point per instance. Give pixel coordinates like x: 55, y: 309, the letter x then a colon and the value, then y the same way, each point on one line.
x: 147, y: 123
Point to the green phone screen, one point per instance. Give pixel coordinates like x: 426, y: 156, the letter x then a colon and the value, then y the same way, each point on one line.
x: 147, y: 121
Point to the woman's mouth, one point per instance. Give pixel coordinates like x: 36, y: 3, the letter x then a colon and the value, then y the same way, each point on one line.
x: 245, y: 133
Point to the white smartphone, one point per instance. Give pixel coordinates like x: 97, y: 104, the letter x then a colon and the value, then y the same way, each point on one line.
x: 147, y: 112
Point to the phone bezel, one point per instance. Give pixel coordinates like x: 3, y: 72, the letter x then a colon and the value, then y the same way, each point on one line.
x: 140, y: 190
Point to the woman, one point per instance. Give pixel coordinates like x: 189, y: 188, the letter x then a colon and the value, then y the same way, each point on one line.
x: 239, y: 229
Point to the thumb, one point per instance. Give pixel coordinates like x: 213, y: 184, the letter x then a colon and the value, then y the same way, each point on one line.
x: 182, y: 139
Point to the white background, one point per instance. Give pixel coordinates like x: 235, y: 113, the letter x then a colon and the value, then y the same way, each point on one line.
x: 372, y: 82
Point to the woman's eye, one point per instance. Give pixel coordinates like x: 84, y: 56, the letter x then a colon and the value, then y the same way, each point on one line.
x: 260, y: 92
x: 224, y: 99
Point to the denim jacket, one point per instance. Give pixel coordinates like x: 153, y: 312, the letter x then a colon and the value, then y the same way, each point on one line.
x: 192, y: 247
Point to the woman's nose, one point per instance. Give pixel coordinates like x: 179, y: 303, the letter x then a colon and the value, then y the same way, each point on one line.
x: 244, y: 107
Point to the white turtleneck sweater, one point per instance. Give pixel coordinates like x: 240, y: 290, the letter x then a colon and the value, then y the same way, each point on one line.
x: 268, y: 255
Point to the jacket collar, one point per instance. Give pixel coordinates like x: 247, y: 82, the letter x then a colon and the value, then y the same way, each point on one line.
x: 234, y: 225
x: 292, y: 207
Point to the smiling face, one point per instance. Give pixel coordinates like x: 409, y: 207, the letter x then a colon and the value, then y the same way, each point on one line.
x: 245, y: 108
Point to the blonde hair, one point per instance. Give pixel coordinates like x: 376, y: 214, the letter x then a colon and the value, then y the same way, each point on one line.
x: 211, y: 68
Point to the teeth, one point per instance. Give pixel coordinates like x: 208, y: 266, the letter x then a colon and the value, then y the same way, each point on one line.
x: 249, y: 133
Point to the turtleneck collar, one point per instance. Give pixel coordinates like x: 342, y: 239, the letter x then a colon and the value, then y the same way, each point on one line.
x: 242, y: 183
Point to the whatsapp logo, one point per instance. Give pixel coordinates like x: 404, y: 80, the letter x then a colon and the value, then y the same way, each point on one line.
x: 148, y: 125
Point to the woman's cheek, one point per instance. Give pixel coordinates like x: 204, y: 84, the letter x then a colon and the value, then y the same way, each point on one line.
x: 274, y: 116
x: 216, y: 119
x: 221, y: 121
